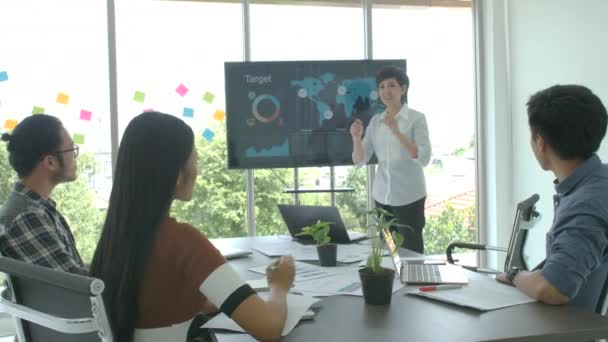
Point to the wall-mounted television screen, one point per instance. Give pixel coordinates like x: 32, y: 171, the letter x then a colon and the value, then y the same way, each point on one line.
x: 298, y: 114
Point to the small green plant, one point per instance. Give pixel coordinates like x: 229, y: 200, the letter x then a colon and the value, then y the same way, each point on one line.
x: 318, y: 231
x: 384, y: 220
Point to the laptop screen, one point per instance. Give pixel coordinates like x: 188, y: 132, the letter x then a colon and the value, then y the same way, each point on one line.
x: 297, y: 217
x: 392, y: 249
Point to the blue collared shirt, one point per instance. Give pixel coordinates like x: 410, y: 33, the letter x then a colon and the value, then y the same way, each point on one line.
x: 577, y: 243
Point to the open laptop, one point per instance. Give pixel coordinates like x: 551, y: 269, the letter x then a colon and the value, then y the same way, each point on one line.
x: 297, y: 217
x: 421, y: 273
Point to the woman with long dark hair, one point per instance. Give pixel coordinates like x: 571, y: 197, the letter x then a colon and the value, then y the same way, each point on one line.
x: 159, y: 273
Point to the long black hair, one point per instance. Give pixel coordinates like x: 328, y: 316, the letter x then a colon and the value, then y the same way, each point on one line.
x: 154, y: 149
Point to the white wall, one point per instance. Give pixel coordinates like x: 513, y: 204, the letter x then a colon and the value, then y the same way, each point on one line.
x: 547, y: 42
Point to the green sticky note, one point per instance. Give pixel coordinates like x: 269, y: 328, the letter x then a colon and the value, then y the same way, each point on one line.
x: 208, y: 97
x: 139, y: 96
x: 37, y: 110
x: 78, y: 138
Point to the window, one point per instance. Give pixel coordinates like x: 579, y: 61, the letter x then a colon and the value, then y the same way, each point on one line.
x: 54, y: 60
x: 438, y: 45
x: 170, y: 58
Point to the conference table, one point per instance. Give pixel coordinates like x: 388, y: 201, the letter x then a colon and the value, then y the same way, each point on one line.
x: 412, y: 318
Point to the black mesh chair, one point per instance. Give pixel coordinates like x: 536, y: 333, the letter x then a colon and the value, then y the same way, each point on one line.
x: 50, y: 305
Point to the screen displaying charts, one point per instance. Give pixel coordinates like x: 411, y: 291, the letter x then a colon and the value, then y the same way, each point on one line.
x: 298, y: 114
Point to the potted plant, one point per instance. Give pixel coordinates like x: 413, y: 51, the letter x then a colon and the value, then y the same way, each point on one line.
x: 377, y: 281
x: 328, y: 252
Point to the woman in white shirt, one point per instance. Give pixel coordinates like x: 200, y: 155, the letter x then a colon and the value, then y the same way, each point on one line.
x: 399, y: 137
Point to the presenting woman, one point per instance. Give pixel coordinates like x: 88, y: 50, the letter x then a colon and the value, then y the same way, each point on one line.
x: 399, y: 137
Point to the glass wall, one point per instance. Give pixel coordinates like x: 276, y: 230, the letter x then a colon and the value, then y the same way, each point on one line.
x: 170, y: 58
x: 437, y: 43
x: 54, y: 60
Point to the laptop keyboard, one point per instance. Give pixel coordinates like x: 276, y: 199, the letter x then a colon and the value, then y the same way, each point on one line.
x: 421, y: 273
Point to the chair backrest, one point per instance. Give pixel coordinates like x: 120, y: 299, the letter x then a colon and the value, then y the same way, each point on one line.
x: 51, y: 305
x: 524, y: 215
x: 602, y: 303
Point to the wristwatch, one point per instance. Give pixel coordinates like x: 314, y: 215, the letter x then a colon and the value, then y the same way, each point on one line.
x: 512, y: 273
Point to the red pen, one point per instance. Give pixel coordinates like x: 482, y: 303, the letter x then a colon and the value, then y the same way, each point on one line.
x: 438, y: 288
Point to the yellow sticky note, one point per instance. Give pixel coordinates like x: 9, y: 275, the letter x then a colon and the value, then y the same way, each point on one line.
x: 78, y: 138
x: 219, y: 115
x: 63, y: 98
x: 10, y: 124
x: 37, y: 110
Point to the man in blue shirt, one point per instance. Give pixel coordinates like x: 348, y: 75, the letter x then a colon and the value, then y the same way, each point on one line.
x: 567, y: 124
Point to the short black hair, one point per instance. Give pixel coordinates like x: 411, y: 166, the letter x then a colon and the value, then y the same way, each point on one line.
x: 33, y: 138
x: 396, y: 73
x: 571, y: 118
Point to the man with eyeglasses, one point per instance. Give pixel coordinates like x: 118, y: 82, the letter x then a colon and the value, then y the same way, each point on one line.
x: 43, y: 154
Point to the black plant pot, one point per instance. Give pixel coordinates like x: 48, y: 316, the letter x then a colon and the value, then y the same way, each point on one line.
x: 328, y: 254
x: 377, y: 286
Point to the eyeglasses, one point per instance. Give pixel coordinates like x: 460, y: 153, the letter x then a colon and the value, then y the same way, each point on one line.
x: 76, y: 150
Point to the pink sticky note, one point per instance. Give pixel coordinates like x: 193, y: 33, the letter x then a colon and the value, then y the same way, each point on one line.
x: 85, y: 115
x: 181, y: 89
x: 147, y: 110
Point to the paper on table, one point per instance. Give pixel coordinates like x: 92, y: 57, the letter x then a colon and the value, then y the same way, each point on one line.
x: 481, y: 293
x: 346, y: 253
x: 258, y: 284
x: 306, y: 271
x: 346, y: 283
x: 297, y: 308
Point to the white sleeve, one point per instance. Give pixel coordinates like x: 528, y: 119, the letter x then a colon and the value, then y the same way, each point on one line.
x: 225, y: 289
x: 368, y: 143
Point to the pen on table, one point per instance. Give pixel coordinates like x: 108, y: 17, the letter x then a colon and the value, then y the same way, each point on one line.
x: 439, y: 288
x: 272, y: 267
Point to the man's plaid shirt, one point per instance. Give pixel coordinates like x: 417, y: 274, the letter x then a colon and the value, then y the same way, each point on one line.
x: 32, y: 230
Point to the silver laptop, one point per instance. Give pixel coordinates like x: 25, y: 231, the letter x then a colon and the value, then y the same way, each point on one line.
x: 421, y: 273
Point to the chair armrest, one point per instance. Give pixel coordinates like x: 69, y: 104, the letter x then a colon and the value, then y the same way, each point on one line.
x: 64, y: 325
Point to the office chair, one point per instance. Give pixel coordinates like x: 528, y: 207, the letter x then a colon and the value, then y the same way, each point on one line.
x: 525, y: 217
x: 50, y: 305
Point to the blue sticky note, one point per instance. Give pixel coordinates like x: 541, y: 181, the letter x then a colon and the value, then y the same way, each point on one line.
x: 188, y: 112
x: 3, y: 76
x: 208, y: 134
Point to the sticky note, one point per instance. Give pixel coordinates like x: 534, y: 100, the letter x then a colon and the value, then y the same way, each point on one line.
x: 147, y: 110
x: 208, y: 134
x: 10, y: 124
x: 78, y: 138
x: 85, y: 115
x: 3, y: 76
x: 37, y: 110
x: 219, y: 115
x: 188, y: 112
x: 139, y: 96
x: 181, y: 89
x: 208, y: 97
x: 63, y: 98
